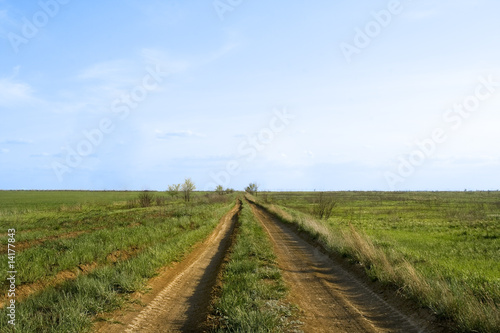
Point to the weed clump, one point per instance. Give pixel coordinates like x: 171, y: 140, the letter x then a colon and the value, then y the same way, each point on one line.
x: 323, y: 208
x: 146, y: 199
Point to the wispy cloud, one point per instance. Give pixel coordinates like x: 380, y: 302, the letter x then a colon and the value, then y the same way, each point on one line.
x: 161, y: 135
x: 162, y: 59
x: 221, y: 52
x: 41, y: 155
x: 16, y: 142
x: 102, y: 82
x: 7, y: 23
x: 418, y: 15
x: 14, y: 92
x: 430, y: 9
x: 173, y: 65
x: 160, y: 12
x: 465, y: 162
x: 105, y: 71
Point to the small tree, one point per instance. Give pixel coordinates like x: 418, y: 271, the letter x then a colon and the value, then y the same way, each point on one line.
x: 219, y: 190
x: 187, y: 188
x: 252, y: 188
x: 324, y: 206
x: 173, y: 190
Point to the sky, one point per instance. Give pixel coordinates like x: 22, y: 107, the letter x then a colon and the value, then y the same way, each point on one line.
x: 292, y: 95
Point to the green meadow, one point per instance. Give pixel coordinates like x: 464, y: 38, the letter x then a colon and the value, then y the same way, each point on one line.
x: 80, y: 254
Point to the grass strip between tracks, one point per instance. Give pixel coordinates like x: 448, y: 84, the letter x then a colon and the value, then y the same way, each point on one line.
x: 253, y: 291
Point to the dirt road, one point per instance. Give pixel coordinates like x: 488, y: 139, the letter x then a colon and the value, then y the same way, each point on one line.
x: 180, y: 296
x: 330, y: 298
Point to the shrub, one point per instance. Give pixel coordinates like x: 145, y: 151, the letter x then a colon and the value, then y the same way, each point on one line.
x: 324, y: 206
x: 160, y: 201
x: 146, y: 199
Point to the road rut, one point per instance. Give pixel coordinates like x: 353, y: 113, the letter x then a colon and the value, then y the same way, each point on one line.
x: 330, y: 298
x: 181, y: 295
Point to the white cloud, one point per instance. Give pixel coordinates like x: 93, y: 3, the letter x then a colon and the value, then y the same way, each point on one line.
x: 17, y: 142
x: 465, y: 162
x: 164, y: 61
x: 14, y: 92
x: 221, y: 52
x: 165, y: 135
x: 4, y: 150
x: 172, y: 65
x: 103, y: 82
x: 106, y: 71
x: 429, y: 9
x: 422, y: 14
x: 41, y: 155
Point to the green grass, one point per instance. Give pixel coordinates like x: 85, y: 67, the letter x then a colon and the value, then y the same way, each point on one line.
x: 15, y: 202
x: 441, y: 248
x: 159, y: 234
x: 23, y: 201
x: 137, y: 229
x: 252, y: 294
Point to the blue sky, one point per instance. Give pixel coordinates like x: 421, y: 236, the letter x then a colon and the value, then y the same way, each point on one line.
x: 325, y: 95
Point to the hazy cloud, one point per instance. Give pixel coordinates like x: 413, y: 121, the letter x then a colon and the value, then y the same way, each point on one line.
x: 160, y: 135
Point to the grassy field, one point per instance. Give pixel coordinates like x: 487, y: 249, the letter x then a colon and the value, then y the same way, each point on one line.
x: 23, y: 201
x: 440, y: 248
x: 79, y: 254
x: 252, y: 293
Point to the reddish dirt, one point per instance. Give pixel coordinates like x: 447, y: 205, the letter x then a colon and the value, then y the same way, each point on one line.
x: 25, y: 290
x: 27, y: 244
x: 20, y: 246
x: 180, y: 295
x: 330, y: 298
x: 121, y: 255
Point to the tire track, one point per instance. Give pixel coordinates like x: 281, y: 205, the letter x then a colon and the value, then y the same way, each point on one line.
x: 181, y: 295
x: 331, y: 299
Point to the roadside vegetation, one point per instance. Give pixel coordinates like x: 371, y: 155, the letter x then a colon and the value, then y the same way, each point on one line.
x: 95, y: 252
x: 440, y: 249
x: 252, y: 188
x: 253, y: 292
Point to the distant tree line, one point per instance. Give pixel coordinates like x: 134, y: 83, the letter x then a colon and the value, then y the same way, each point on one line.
x: 147, y: 198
